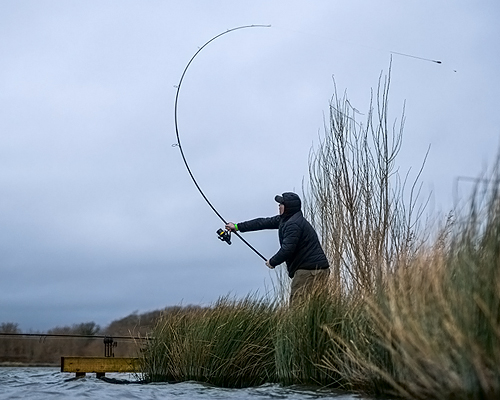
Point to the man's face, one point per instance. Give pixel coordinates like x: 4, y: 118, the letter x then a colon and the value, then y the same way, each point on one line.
x: 282, y: 208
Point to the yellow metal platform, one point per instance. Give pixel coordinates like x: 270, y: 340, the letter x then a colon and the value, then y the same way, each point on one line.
x: 99, y: 365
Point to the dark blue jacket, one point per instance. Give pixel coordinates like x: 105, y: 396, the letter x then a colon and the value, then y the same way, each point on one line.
x: 300, y: 247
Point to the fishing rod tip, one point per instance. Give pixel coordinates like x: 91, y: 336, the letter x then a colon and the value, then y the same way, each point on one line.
x: 260, y: 26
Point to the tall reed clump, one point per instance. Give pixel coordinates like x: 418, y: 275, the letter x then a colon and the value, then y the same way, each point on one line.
x: 438, y: 320
x: 228, y: 345
x: 427, y: 324
x: 356, y: 198
x: 369, y: 222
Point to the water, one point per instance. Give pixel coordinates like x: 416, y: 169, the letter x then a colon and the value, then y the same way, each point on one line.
x: 49, y: 383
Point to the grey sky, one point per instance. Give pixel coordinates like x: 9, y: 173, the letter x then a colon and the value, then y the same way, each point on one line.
x: 98, y: 216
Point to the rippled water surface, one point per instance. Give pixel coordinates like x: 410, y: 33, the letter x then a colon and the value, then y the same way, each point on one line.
x: 50, y: 383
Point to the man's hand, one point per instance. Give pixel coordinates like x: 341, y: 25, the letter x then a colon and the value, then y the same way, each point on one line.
x: 269, y: 265
x: 230, y: 227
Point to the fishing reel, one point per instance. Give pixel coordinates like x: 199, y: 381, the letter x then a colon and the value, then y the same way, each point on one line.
x: 225, y: 236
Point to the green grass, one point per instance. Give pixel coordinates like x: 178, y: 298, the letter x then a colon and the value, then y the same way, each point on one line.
x: 238, y: 343
x: 229, y: 345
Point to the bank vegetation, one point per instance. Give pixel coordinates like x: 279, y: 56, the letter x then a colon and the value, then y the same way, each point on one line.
x: 412, y: 309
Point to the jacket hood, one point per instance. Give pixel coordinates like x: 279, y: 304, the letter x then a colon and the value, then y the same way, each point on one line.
x: 292, y: 203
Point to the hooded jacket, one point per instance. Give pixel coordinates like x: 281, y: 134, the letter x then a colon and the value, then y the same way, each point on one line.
x: 299, y: 244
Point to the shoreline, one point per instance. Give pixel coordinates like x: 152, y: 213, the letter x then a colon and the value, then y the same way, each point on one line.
x: 16, y: 364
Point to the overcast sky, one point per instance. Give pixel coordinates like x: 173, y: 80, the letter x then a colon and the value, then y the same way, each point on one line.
x: 98, y: 216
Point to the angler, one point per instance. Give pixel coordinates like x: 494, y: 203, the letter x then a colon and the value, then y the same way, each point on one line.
x: 300, y: 248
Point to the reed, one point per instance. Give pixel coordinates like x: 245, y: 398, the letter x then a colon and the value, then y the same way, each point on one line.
x: 229, y: 345
x: 423, y: 316
x: 434, y: 329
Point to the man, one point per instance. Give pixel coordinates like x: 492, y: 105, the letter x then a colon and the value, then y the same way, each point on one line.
x: 306, y: 262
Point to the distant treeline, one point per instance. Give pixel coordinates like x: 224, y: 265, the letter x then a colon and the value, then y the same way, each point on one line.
x: 45, y: 350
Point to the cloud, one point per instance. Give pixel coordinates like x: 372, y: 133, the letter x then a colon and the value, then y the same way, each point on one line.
x: 98, y: 215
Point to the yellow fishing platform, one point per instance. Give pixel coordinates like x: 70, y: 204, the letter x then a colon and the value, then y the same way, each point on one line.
x: 99, y: 365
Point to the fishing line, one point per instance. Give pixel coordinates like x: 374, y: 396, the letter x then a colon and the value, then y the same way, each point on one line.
x: 362, y: 45
x: 420, y: 58
x: 178, y: 144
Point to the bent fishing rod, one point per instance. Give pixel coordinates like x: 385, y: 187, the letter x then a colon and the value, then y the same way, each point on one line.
x: 224, y: 235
